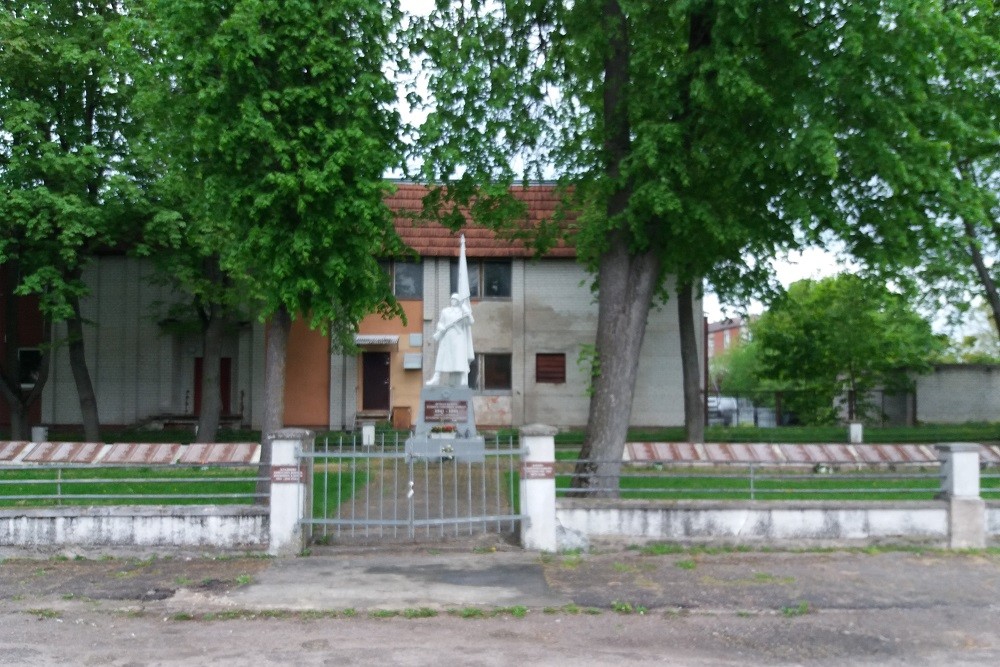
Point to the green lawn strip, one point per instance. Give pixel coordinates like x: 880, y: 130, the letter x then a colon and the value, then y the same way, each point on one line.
x: 128, y: 486
x: 663, y: 485
x: 156, y: 486
x: 987, y: 433
x: 333, y: 487
x: 867, y: 486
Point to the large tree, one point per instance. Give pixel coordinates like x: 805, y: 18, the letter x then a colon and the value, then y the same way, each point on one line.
x: 693, y: 133
x: 291, y: 128
x: 66, y: 133
x: 837, y: 339
x: 937, y: 168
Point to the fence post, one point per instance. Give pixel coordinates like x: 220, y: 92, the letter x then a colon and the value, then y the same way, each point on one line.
x: 538, y: 487
x: 288, y: 490
x: 960, y: 487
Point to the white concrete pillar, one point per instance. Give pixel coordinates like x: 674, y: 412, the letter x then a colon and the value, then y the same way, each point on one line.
x: 856, y: 433
x: 538, y: 488
x: 960, y: 487
x: 288, y: 490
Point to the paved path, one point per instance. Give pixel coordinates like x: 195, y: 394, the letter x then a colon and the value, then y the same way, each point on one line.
x: 480, y: 606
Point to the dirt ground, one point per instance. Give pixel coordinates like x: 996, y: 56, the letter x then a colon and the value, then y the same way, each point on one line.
x: 695, y: 607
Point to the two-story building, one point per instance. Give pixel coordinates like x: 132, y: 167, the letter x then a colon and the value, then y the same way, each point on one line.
x: 534, y: 320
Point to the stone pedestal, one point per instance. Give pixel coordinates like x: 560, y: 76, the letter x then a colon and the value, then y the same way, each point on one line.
x: 446, y: 426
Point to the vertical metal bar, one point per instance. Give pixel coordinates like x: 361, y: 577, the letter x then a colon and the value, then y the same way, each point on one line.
x: 468, y: 495
x: 395, y: 490
x: 752, y: 480
x: 409, y: 498
x: 513, y: 465
x: 354, y: 485
x: 441, y: 494
x: 381, y: 489
x: 58, y: 486
x: 368, y: 493
x: 340, y: 482
x: 485, y: 478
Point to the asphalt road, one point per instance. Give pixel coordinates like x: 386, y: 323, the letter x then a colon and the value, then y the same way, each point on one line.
x: 496, y: 605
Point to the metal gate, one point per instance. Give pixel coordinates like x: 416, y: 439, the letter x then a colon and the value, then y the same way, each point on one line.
x: 374, y: 493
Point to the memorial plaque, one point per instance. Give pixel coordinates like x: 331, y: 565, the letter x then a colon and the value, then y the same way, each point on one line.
x: 286, y: 474
x: 538, y: 470
x: 446, y: 411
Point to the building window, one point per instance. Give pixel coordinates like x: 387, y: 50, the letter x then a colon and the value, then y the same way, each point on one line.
x: 29, y: 361
x: 550, y: 368
x: 407, y: 278
x: 488, y: 278
x: 725, y: 339
x: 490, y: 372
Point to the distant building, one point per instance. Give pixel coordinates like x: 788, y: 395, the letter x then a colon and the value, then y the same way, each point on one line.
x: 724, y: 335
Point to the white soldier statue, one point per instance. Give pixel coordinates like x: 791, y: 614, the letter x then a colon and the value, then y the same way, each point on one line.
x: 454, y: 339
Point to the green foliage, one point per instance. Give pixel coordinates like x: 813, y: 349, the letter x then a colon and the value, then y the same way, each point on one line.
x: 839, y: 337
x: 701, y: 137
x: 589, y: 364
x: 800, y: 609
x: 277, y: 124
x: 978, y: 344
x: 737, y: 370
x: 69, y: 182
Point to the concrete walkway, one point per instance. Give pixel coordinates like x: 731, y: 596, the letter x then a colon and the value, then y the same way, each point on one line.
x: 612, y: 606
x: 400, y: 581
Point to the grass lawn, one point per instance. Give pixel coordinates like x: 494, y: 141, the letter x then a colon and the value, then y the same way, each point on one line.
x: 923, y: 434
x: 685, y: 485
x: 155, y: 486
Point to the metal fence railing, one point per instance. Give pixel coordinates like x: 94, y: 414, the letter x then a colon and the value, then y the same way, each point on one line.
x: 88, y: 484
x: 379, y: 491
x: 671, y: 480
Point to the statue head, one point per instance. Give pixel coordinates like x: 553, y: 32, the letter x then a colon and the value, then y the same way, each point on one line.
x: 455, y: 300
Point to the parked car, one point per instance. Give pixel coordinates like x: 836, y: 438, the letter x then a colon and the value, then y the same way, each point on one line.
x: 722, y: 410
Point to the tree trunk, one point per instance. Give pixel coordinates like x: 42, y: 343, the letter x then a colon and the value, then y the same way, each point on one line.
x: 627, y: 284
x: 985, y: 279
x: 276, y: 334
x: 81, y: 375
x: 694, y: 409
x: 211, y: 400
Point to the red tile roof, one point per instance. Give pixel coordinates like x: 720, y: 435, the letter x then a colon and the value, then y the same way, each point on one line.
x: 431, y: 239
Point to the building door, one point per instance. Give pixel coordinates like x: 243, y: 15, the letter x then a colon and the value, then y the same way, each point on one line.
x: 375, y: 379
x: 225, y: 384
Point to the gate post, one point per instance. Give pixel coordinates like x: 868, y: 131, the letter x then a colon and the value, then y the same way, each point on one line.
x: 288, y: 490
x: 960, y: 487
x: 538, y: 487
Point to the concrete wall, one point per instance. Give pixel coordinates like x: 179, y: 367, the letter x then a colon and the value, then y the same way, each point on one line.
x: 137, y: 367
x: 761, y: 523
x: 959, y: 393
x: 551, y: 310
x: 221, y: 528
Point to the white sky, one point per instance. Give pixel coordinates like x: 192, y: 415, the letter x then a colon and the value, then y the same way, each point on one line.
x: 812, y: 263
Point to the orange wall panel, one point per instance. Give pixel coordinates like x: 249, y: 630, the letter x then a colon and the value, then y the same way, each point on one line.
x: 307, y: 377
